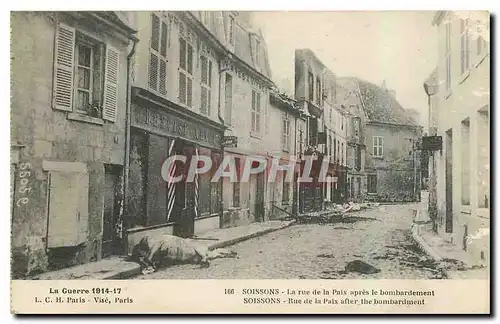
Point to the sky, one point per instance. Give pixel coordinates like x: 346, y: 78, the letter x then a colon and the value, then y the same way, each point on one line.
x: 399, y: 47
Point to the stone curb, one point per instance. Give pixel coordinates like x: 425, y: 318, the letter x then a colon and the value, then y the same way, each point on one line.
x: 247, y: 237
x: 424, y: 245
x: 137, y: 270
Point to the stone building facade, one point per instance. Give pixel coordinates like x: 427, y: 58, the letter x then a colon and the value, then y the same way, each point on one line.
x: 68, y: 112
x: 460, y: 112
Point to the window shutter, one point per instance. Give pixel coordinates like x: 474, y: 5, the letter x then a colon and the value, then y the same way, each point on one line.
x: 62, y: 97
x: 110, y: 105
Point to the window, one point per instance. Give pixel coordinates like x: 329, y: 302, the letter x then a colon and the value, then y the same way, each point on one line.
x: 378, y: 146
x: 286, y: 189
x: 86, y: 75
x: 318, y: 91
x: 257, y: 51
x: 342, y: 123
x: 204, y: 17
x: 342, y: 153
x: 310, y: 81
x: 357, y: 161
x: 480, y: 45
x: 236, y: 185
x: 372, y: 183
x: 313, y: 131
x: 334, y: 150
x: 285, y: 133
x: 464, y: 45
x: 231, y: 30
x: 255, y: 112
x: 448, y: 55
x: 206, y: 85
x: 158, y: 56
x: 84, y: 68
x: 186, y: 73
x: 338, y: 149
x: 330, y: 145
x: 228, y: 98
x: 356, y: 126
x: 465, y: 161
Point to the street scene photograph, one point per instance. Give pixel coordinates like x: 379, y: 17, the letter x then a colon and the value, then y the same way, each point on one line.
x: 331, y: 145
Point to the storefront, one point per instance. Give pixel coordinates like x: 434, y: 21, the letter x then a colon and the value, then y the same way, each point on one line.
x: 161, y: 129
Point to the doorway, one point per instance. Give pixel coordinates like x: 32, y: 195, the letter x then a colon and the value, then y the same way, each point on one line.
x: 259, y: 198
x: 449, y: 182
x: 111, y: 242
x: 183, y: 213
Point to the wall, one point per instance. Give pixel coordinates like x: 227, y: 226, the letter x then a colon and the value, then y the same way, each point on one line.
x: 468, y: 98
x: 48, y: 135
x: 395, y: 169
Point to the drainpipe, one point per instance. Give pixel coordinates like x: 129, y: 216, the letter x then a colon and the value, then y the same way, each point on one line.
x: 221, y: 119
x: 127, y: 143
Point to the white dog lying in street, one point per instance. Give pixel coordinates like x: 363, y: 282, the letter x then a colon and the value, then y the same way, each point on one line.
x: 154, y: 252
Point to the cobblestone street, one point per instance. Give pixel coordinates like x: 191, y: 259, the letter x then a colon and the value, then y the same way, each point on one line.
x: 380, y: 237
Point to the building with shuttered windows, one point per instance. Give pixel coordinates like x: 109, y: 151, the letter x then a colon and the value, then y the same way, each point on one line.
x: 197, y: 77
x: 68, y: 112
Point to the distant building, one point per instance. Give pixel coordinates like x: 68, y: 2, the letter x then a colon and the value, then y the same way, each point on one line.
x: 391, y: 137
x: 459, y: 105
x: 349, y: 99
x: 315, y: 91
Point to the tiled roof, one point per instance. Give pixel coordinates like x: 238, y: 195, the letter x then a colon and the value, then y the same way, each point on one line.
x: 381, y: 107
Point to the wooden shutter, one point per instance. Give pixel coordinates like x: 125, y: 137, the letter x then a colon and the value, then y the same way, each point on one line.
x: 62, y: 97
x: 68, y: 209
x: 110, y: 105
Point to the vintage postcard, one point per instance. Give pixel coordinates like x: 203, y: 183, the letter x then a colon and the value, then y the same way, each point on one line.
x: 333, y: 162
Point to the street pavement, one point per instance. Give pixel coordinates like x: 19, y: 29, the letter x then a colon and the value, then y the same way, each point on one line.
x: 380, y: 237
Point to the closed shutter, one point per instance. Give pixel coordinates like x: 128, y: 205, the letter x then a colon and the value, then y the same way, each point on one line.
x: 68, y: 209
x: 62, y: 97
x: 110, y: 105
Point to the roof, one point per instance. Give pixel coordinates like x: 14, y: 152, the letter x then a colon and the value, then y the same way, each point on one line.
x: 243, y: 36
x: 381, y: 107
x: 243, y: 49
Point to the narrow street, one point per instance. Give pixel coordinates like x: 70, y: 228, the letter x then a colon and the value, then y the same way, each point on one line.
x: 380, y: 237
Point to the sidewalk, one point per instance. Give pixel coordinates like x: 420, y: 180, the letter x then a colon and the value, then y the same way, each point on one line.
x: 118, y: 268
x: 441, y: 250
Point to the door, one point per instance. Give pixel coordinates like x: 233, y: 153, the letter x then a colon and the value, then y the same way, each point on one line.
x: 111, y: 244
x: 184, y: 209
x: 259, y: 198
x: 449, y: 182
